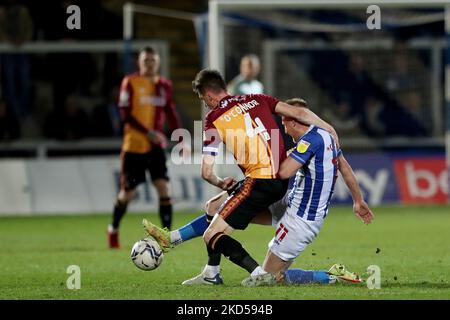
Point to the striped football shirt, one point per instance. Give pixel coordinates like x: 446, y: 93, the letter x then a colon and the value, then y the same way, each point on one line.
x: 314, y: 182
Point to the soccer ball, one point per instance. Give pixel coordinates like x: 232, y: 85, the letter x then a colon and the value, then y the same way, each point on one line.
x: 146, y: 254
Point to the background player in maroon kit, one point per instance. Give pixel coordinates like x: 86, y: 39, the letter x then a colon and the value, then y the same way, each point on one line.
x: 145, y: 103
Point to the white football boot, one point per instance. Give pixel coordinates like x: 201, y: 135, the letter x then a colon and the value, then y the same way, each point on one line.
x: 205, y: 277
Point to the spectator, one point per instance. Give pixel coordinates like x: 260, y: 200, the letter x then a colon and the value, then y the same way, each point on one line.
x: 359, y: 85
x: 9, y: 126
x: 246, y: 82
x: 69, y: 123
x: 16, y: 27
x: 412, y: 105
x: 342, y: 120
x: 373, y: 118
x: 82, y: 74
x: 400, y: 78
x: 106, y: 117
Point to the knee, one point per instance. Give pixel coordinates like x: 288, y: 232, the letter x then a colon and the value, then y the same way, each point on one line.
x: 208, y: 235
x: 124, y: 197
x: 207, y: 206
x: 209, y: 218
x: 165, y: 201
x: 162, y: 187
x: 211, y: 208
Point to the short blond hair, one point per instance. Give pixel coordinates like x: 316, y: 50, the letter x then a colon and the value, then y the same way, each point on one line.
x: 299, y: 101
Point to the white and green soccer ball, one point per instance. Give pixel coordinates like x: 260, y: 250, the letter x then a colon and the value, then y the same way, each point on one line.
x: 146, y: 254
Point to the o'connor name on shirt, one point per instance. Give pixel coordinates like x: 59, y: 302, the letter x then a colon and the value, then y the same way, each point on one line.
x: 240, y: 108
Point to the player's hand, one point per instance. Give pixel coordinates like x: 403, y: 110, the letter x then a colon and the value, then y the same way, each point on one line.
x: 158, y: 138
x: 363, y: 212
x: 227, y: 183
x: 335, y: 137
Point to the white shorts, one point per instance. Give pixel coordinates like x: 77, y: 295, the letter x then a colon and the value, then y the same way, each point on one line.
x: 277, y: 210
x: 292, y: 236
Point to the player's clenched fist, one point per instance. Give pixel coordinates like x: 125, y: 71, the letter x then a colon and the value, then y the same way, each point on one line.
x: 227, y: 183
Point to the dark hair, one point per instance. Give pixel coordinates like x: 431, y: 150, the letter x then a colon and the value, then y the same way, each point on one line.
x: 149, y: 50
x: 208, y: 79
x: 299, y: 101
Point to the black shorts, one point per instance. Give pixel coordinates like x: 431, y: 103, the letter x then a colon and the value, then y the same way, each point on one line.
x: 248, y: 198
x: 134, y: 166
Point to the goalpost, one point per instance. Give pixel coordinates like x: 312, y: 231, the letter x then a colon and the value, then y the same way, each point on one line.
x: 219, y: 17
x: 447, y: 90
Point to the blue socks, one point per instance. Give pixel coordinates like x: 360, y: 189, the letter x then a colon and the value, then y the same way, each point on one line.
x: 194, y: 229
x: 299, y: 276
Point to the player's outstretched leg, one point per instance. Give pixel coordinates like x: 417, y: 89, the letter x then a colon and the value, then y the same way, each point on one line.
x: 342, y: 274
x: 300, y: 276
x: 263, y: 279
x: 162, y: 236
x: 337, y: 272
x: 169, y: 239
x: 291, y: 276
x: 191, y: 230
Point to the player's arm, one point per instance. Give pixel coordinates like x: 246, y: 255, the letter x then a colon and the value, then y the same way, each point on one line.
x: 288, y: 168
x: 154, y: 136
x: 360, y: 207
x: 127, y: 117
x: 171, y: 111
x: 124, y: 103
x: 299, y: 155
x: 125, y: 108
x: 305, y: 116
x: 211, y: 142
x: 210, y: 176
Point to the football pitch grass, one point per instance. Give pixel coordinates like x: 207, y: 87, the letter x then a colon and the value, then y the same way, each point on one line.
x: 411, y: 245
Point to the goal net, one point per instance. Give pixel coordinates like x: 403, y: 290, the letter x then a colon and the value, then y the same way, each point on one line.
x: 377, y: 73
x: 373, y: 83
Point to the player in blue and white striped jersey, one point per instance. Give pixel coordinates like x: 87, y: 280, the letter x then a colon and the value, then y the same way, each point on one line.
x: 315, y: 163
x: 318, y: 154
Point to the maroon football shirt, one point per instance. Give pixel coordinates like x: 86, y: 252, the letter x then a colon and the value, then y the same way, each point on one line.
x: 245, y: 124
